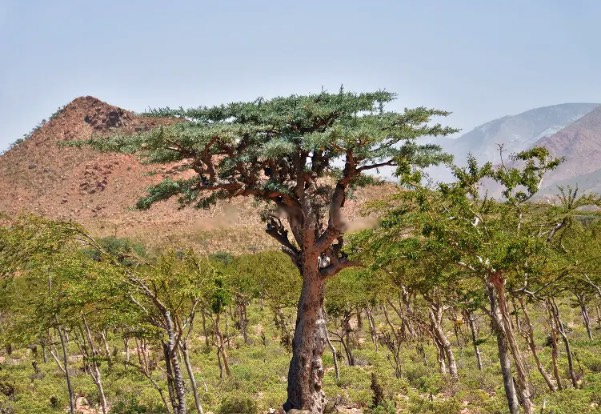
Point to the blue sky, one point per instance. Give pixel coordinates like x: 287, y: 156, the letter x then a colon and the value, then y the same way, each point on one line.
x: 480, y: 59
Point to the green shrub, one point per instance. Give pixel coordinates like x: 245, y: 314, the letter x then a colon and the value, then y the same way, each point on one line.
x: 422, y: 378
x: 238, y: 405
x: 420, y: 405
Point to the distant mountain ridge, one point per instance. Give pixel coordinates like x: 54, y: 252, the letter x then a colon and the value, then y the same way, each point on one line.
x: 570, y: 130
x: 514, y: 132
x: 580, y: 145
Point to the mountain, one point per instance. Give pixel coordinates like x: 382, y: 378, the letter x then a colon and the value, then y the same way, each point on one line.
x: 580, y: 144
x: 515, y: 132
x: 40, y: 176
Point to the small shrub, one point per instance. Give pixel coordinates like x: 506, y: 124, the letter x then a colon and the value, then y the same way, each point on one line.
x: 133, y: 406
x: 238, y: 405
x: 424, y: 379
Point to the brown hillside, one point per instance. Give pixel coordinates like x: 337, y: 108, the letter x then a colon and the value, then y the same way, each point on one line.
x: 580, y: 144
x: 98, y: 190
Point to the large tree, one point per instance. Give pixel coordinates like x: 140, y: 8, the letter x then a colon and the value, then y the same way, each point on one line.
x: 301, y: 154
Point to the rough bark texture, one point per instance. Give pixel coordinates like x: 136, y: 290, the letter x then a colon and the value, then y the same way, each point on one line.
x: 372, y: 327
x: 310, y: 338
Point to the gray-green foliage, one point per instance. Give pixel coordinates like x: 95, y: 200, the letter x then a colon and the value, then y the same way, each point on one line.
x: 263, y: 148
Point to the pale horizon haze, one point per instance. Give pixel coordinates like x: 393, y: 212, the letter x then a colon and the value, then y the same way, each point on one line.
x: 479, y: 59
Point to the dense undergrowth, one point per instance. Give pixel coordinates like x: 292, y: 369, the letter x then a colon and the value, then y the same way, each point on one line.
x: 252, y: 336
x: 259, y: 373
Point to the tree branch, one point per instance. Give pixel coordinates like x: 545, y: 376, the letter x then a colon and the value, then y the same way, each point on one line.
x: 389, y: 163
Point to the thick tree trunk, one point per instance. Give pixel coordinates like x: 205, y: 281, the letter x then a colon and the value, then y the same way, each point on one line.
x: 440, y: 357
x: 502, y: 345
x: 310, y: 337
x: 169, y: 372
x: 359, y: 318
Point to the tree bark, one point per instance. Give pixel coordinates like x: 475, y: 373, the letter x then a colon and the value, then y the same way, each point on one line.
x: 372, y: 327
x: 566, y: 342
x: 61, y: 335
x: 472, y: 322
x: 436, y: 312
x: 522, y: 376
x: 242, y: 318
x: 528, y: 334
x: 95, y: 367
x: 585, y: 315
x: 126, y: 348
x: 504, y: 360
x: 204, y: 329
x: 221, y: 352
x: 184, y: 347
x: 310, y: 337
x: 554, y: 351
x: 334, y: 355
x: 170, y: 348
x: 346, y: 338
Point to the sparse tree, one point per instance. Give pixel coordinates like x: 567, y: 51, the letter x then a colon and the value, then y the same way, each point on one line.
x: 301, y: 154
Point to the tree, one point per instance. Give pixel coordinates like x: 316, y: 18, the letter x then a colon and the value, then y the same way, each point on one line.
x: 38, y: 264
x: 286, y: 151
x: 163, y: 297
x: 471, y: 235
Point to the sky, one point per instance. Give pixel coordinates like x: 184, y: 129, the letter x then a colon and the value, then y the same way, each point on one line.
x: 479, y: 59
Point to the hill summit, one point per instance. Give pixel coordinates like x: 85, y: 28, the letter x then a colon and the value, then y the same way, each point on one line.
x: 38, y: 175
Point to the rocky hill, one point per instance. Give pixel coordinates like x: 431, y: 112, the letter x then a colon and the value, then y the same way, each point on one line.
x: 40, y: 176
x: 580, y: 144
